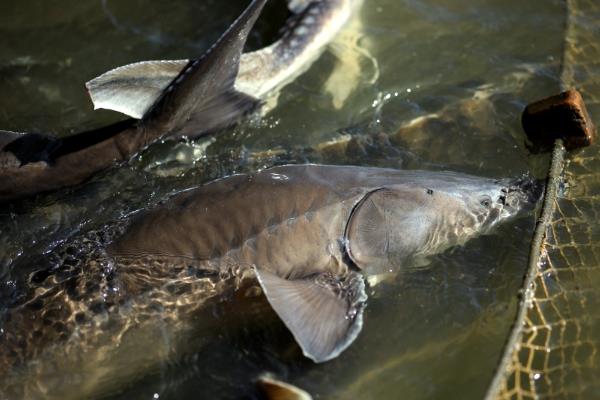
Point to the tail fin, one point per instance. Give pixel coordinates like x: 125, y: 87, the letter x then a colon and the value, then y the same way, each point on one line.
x: 202, y: 97
x: 183, y: 98
x: 133, y: 89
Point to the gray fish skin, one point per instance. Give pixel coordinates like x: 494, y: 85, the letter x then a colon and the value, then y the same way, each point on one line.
x: 274, y: 208
x: 297, y: 222
x: 309, y: 235
x: 265, y: 213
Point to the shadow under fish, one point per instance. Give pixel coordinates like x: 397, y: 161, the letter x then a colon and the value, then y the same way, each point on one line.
x: 172, y: 99
x: 312, y: 236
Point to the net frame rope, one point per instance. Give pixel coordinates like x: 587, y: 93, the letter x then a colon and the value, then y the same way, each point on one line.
x: 499, y: 386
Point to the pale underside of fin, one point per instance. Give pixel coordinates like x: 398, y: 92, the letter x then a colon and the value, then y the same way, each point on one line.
x: 134, y: 88
x: 323, y: 312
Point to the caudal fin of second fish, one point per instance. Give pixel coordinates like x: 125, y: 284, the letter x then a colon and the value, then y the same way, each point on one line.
x: 134, y: 88
x: 200, y: 98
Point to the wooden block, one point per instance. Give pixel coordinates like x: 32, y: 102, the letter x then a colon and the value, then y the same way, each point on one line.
x: 562, y: 116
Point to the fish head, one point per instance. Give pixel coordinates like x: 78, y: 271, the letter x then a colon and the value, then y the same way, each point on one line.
x: 500, y: 200
x: 476, y: 205
x: 428, y: 215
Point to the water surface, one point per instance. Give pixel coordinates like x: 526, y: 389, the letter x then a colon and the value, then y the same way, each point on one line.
x: 437, y: 330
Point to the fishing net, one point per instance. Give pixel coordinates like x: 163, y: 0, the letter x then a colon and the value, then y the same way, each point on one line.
x: 553, y: 350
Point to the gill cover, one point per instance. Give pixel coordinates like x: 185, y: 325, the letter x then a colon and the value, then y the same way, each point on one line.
x: 367, y: 232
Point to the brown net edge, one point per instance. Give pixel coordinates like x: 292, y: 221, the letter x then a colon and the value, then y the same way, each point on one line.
x: 499, y: 384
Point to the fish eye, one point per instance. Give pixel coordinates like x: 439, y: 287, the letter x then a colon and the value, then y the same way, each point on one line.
x: 485, y: 201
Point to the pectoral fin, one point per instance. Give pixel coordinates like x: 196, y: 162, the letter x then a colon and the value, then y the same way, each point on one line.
x: 323, y: 312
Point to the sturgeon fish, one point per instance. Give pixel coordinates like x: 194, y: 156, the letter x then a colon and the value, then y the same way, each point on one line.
x: 310, y: 235
x: 173, y: 99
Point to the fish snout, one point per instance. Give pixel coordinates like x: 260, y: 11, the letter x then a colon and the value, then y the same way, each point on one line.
x: 523, y: 192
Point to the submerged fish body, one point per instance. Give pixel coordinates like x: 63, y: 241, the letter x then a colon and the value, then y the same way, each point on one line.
x: 332, y: 201
x: 316, y: 24
x: 173, y: 99
x: 309, y: 234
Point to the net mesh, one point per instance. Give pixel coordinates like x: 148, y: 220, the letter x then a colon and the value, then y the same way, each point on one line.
x: 556, y: 341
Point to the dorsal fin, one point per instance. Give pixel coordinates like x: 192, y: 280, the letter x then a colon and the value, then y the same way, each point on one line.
x: 323, y: 312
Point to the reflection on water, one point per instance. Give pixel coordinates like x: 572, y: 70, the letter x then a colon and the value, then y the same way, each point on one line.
x: 453, y: 78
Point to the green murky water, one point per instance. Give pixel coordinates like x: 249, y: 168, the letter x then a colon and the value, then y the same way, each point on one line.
x: 435, y: 332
